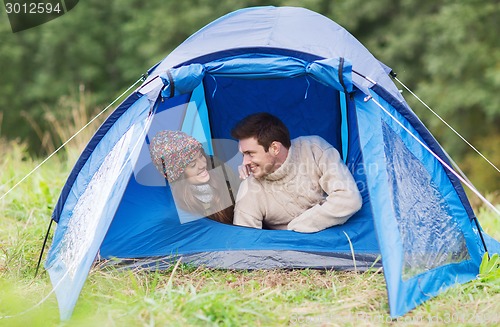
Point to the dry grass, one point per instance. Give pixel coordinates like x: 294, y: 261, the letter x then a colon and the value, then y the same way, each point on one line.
x: 61, y: 129
x: 197, y: 296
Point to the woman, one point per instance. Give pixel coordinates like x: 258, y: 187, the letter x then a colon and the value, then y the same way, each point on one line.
x: 181, y: 160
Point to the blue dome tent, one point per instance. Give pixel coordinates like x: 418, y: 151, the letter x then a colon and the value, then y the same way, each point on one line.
x: 315, y: 76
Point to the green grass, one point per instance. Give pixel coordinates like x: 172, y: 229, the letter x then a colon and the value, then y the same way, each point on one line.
x: 197, y: 296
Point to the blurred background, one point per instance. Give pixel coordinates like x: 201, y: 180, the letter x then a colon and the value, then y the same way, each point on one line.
x: 57, y: 76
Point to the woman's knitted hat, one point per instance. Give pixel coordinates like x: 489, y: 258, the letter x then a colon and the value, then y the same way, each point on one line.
x: 172, y: 151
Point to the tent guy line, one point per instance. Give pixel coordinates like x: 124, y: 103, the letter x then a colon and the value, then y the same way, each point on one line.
x: 471, y: 187
x: 121, y: 168
x: 415, y: 213
x: 448, y: 125
x: 69, y: 140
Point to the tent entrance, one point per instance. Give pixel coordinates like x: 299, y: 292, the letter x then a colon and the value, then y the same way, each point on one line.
x: 147, y: 218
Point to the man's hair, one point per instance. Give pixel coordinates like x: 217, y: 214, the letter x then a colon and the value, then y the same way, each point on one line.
x: 265, y: 127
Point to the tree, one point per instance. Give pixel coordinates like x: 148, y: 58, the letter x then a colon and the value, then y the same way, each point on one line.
x: 446, y: 51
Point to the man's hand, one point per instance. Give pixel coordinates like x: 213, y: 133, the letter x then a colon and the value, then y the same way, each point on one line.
x: 315, y: 219
x: 244, y: 171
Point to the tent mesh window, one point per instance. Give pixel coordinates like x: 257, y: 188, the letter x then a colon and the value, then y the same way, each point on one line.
x: 429, y: 234
x: 85, y: 217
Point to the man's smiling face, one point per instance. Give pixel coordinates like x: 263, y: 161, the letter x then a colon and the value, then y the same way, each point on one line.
x: 260, y: 161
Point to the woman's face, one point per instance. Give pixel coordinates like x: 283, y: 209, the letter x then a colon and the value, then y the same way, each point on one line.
x: 196, y: 171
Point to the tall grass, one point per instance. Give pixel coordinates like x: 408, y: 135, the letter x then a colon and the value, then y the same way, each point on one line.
x: 66, y: 123
x: 195, y: 296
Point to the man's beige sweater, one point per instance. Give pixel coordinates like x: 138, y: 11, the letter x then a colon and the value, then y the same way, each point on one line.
x: 311, y: 191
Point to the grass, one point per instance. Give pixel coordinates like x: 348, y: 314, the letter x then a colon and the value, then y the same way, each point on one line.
x: 198, y: 296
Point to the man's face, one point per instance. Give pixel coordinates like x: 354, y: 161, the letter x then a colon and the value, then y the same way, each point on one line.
x: 260, y: 162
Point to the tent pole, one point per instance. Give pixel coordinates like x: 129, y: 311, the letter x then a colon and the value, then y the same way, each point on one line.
x: 43, y: 247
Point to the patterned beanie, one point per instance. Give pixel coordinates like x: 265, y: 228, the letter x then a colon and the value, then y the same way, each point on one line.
x: 172, y: 151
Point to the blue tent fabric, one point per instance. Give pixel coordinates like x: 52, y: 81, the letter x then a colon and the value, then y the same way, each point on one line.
x: 418, y: 244
x: 270, y: 28
x: 93, y: 202
x: 332, y: 72
x: 316, y: 77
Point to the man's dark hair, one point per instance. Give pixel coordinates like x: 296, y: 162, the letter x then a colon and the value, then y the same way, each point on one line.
x: 265, y: 127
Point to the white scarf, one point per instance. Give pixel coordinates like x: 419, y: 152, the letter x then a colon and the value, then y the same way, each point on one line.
x: 203, y: 192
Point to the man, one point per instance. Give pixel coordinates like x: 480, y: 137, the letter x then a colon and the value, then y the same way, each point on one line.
x: 300, y: 185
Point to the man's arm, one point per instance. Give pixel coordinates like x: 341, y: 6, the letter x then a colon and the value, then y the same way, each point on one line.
x: 247, y: 211
x: 343, y: 198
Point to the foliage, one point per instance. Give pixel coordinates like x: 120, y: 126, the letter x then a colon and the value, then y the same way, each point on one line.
x: 446, y: 51
x: 490, y: 267
x: 197, y: 296
x: 62, y: 73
